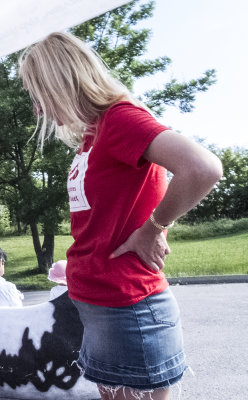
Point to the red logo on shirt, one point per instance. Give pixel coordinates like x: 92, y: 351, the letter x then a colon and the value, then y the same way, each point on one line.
x: 74, y: 172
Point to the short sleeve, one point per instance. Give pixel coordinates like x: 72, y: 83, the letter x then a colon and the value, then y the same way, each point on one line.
x: 129, y: 130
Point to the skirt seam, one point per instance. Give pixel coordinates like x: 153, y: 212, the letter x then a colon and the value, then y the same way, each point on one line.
x: 142, y: 340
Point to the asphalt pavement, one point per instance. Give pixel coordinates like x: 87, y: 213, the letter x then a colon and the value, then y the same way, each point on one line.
x: 215, y: 326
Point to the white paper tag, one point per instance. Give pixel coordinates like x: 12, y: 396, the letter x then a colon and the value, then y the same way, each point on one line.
x: 75, y: 183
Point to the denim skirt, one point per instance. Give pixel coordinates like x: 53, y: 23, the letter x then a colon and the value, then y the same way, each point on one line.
x: 138, y: 346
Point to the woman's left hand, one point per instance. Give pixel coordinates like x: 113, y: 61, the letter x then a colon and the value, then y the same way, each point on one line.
x: 150, y: 245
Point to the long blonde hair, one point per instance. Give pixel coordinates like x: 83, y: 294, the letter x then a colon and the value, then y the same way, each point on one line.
x: 69, y: 80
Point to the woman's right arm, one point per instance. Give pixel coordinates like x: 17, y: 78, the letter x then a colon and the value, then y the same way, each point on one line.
x: 195, y: 170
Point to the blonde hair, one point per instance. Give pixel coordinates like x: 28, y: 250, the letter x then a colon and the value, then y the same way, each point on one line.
x: 69, y: 80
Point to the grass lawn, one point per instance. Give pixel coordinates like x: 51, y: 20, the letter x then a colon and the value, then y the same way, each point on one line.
x: 21, y: 267
x: 226, y: 255
x: 215, y: 256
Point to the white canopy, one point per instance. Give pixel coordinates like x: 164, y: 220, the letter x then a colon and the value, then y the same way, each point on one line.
x: 23, y: 22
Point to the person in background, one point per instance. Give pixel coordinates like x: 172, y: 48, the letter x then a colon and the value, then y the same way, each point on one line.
x: 9, y: 295
x: 57, y: 273
x: 121, y: 208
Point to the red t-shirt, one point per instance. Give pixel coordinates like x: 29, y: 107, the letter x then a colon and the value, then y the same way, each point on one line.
x: 112, y: 192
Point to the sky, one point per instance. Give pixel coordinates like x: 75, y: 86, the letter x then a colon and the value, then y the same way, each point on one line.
x: 198, y: 35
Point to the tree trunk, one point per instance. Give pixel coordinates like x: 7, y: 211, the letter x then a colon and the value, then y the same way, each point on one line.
x: 44, y: 253
x: 18, y: 222
x: 48, y: 249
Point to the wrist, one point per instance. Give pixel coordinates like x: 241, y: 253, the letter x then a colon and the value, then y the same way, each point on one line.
x: 150, y: 229
x: 158, y: 225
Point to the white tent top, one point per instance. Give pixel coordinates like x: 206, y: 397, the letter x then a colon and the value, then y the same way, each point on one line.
x: 23, y: 22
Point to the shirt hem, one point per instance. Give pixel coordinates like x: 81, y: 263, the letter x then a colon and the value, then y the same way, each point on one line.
x: 121, y: 303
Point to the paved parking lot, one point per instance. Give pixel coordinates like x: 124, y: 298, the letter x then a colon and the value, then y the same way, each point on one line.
x: 215, y: 325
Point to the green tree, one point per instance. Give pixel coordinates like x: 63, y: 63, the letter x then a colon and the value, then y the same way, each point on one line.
x: 229, y: 198
x: 114, y: 37
x: 34, y: 185
x: 4, y: 219
x: 233, y: 188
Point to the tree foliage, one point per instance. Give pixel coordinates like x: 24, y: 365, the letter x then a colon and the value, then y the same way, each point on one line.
x: 121, y: 46
x: 178, y: 94
x: 116, y: 38
x: 229, y: 198
x: 31, y: 184
x: 4, y: 219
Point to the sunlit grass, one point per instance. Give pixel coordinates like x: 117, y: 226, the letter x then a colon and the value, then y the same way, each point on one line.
x: 22, y: 268
x: 215, y: 256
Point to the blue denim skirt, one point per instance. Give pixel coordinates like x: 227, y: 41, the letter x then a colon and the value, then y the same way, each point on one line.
x: 138, y: 346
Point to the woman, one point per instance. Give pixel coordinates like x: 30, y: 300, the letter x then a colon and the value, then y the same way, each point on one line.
x: 120, y: 208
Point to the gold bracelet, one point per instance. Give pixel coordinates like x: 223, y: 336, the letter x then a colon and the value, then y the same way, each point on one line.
x: 159, y: 226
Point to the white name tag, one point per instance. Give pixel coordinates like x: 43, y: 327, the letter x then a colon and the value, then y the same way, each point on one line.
x: 75, y: 183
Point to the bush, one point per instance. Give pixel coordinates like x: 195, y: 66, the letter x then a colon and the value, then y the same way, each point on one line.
x: 64, y: 228
x: 5, y: 228
x: 221, y: 227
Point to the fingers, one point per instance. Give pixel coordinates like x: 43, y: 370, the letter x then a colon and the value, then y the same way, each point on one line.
x: 152, y: 253
x: 166, y: 247
x: 119, y: 251
x: 157, y: 265
x: 163, y: 251
x: 154, y: 267
x: 167, y: 250
x: 160, y: 263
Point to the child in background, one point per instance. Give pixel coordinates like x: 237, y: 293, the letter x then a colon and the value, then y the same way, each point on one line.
x: 57, y: 274
x: 9, y: 295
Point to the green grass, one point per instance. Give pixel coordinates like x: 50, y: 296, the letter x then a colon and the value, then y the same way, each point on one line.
x: 226, y: 255
x: 21, y: 267
x: 206, y: 230
x: 213, y: 256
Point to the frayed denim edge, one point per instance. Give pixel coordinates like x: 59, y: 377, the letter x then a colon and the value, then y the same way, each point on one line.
x: 137, y: 394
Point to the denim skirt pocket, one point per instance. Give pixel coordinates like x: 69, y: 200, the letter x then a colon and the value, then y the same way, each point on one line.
x: 164, y: 308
